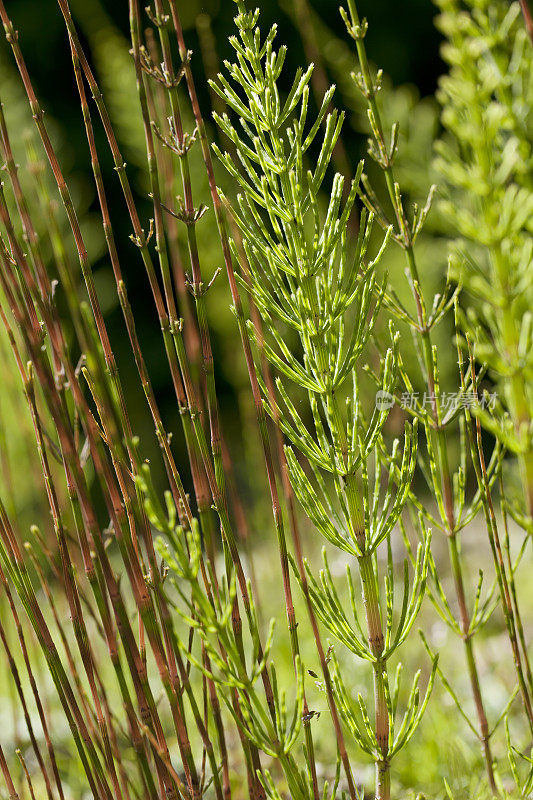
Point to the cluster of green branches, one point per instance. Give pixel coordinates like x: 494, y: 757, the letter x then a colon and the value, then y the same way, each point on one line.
x: 165, y: 672
x: 306, y: 276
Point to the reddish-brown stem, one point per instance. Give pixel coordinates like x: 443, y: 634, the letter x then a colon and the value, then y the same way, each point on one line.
x: 33, y: 684
x: 7, y: 777
x: 528, y: 18
x: 27, y: 719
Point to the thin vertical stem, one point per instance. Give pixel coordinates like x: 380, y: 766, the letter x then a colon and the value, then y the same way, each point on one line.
x: 7, y: 777
x: 435, y: 429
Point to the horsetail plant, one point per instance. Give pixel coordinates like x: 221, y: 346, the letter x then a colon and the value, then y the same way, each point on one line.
x: 453, y: 512
x: 305, y: 281
x: 264, y: 433
x: 266, y: 721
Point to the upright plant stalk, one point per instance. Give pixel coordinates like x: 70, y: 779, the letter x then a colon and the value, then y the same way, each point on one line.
x: 190, y: 217
x: 293, y: 521
x: 309, y: 285
x: 259, y: 408
x: 405, y: 234
x: 7, y: 777
x: 217, y: 488
x: 255, y: 388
